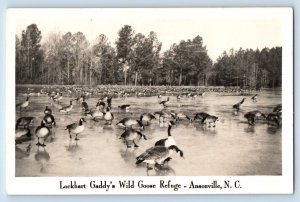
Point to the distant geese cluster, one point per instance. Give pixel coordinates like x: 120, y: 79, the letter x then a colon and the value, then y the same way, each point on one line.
x: 272, y: 119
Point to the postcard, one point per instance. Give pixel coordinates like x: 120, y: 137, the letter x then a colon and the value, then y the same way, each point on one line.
x: 149, y: 101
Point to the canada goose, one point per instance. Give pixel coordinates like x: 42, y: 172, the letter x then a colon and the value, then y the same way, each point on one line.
x: 76, y: 128
x: 238, y: 105
x: 194, y: 96
x: 253, y: 115
x: 277, y: 108
x: 108, y: 116
x: 250, y: 118
x: 164, y: 102
x: 42, y: 132
x: 202, y: 94
x: 23, y: 105
x: 273, y: 119
x: 146, y: 118
x: 169, y: 140
x: 201, y: 117
x: 210, y: 119
x: 130, y: 135
x: 49, y: 120
x: 58, y: 98
x: 178, y: 98
x: 125, y: 107
x: 128, y: 123
x: 254, y: 98
x: 157, y: 155
x: 101, y: 104
x: 85, y: 106
x: 22, y: 135
x: 24, y: 121
x: 257, y: 113
x: 67, y: 109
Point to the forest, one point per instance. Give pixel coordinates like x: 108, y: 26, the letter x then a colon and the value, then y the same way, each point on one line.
x: 136, y: 59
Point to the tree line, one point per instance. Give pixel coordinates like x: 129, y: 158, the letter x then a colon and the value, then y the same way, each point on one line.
x: 137, y: 59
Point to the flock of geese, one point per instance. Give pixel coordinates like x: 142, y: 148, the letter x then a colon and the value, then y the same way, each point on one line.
x: 158, y: 154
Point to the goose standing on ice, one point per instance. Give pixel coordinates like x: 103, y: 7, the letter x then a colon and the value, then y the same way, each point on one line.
x: 164, y: 103
x: 108, y: 116
x: 128, y: 123
x: 67, y: 109
x: 130, y: 135
x: 42, y: 132
x: 75, y: 128
x: 23, y: 105
x: 238, y: 105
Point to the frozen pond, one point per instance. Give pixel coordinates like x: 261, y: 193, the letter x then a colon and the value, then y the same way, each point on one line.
x: 231, y: 148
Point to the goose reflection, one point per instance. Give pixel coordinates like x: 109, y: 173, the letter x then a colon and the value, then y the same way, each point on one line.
x: 128, y: 155
x: 249, y: 129
x: 43, y: 157
x: 272, y: 130
x: 162, y: 170
x: 73, y: 146
x: 22, y: 153
x: 207, y: 131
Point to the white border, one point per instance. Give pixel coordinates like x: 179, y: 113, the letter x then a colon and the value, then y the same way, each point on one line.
x: 251, y: 184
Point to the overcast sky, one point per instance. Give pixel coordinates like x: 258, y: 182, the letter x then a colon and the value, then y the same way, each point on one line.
x: 221, y: 29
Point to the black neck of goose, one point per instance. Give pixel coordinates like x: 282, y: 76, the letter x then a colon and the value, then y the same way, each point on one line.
x: 169, y: 130
x: 27, y: 98
x: 80, y: 122
x: 140, y: 123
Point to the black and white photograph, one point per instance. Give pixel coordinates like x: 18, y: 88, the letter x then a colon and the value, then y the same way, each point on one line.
x: 151, y: 93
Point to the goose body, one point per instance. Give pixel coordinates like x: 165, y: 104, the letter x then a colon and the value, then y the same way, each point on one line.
x: 250, y: 118
x: 24, y: 122
x: 147, y: 117
x: 67, y: 109
x: 42, y: 132
x: 273, y: 119
x: 124, y: 107
x: 22, y: 135
x: 23, y: 104
x: 108, y: 116
x: 76, y: 128
x: 238, y: 105
x: 210, y: 119
x: 164, y: 103
x: 128, y: 123
x: 157, y: 155
x: 49, y: 120
x: 130, y: 135
x: 201, y: 116
x: 277, y: 108
x: 58, y: 98
x: 101, y: 104
x: 254, y: 98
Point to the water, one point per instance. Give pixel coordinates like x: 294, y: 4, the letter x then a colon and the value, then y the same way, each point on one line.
x: 231, y: 148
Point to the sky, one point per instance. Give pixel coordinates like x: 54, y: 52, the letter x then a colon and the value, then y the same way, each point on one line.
x: 221, y: 29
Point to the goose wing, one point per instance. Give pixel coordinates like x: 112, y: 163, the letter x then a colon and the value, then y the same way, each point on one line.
x: 152, y: 153
x: 72, y: 126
